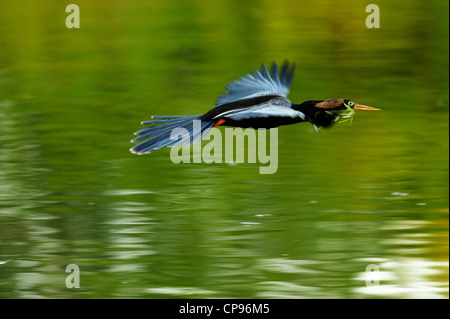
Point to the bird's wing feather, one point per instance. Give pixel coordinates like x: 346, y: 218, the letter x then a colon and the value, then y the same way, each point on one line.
x: 278, y: 107
x: 261, y: 83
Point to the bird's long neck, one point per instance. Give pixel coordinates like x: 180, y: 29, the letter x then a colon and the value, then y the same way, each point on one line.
x: 306, y: 107
x: 314, y: 114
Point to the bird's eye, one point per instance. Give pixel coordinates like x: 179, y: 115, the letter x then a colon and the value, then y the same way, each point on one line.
x: 350, y: 103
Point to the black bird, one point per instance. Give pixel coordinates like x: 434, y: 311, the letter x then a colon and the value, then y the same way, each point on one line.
x: 258, y: 101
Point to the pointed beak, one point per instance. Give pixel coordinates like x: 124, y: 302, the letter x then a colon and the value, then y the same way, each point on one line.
x: 365, y: 107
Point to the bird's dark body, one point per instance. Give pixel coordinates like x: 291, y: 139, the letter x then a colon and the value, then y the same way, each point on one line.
x: 263, y: 123
x: 238, y: 105
x: 256, y: 123
x: 256, y: 101
x: 215, y: 113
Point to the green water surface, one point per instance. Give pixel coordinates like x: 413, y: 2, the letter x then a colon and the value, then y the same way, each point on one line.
x: 371, y: 193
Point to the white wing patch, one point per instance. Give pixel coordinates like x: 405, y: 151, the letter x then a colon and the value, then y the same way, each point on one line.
x: 266, y: 111
x: 278, y: 107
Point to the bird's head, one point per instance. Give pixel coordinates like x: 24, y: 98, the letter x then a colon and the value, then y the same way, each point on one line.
x: 340, y: 105
x: 327, y: 112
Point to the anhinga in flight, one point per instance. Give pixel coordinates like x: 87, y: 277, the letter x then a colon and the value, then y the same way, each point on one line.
x: 255, y: 101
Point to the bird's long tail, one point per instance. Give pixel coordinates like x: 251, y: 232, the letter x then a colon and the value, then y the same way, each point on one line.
x: 173, y: 131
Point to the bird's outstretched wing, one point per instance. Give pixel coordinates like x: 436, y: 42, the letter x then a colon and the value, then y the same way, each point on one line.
x: 259, y: 84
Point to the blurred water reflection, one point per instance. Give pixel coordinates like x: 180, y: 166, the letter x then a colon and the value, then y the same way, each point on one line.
x: 407, y: 278
x: 375, y: 192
